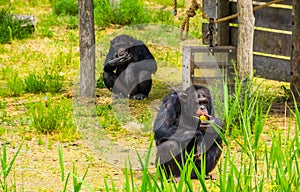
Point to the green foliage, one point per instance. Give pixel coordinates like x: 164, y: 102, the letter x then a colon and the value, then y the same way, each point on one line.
x: 263, y: 166
x: 52, y: 115
x: 35, y: 83
x: 12, y: 27
x: 130, y: 12
x: 162, y: 16
x: 145, y: 119
x: 103, y: 13
x: 126, y: 12
x: 6, y: 168
x: 3, y: 116
x: 65, y: 7
x: 168, y: 3
x: 108, y: 119
x: 242, y: 106
x: 14, y: 86
x: 6, y: 72
x: 46, y: 32
x: 100, y: 81
x: 72, y: 22
x: 4, y: 2
x: 77, y: 182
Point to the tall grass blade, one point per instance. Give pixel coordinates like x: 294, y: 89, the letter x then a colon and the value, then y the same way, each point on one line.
x: 80, y: 181
x: 9, y: 167
x: 61, y: 163
x: 146, y: 179
x: 106, y: 185
x: 200, y: 178
x: 5, y: 166
x: 66, y: 182
x: 131, y: 175
x: 127, y: 185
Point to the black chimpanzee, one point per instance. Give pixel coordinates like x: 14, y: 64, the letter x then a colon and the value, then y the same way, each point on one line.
x: 181, y: 127
x: 128, y: 68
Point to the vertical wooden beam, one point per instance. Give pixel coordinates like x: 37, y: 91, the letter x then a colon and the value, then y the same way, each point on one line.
x: 245, y: 39
x: 186, y: 68
x: 87, y: 48
x: 223, y: 36
x: 295, y: 60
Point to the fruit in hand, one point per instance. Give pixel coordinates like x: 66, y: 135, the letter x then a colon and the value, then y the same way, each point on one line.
x: 203, y: 118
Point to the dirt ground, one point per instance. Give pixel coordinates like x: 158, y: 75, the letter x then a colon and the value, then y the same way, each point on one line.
x: 37, y: 166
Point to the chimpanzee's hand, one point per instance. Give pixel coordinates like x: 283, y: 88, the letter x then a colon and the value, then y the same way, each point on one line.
x: 125, y: 58
x: 205, y: 125
x: 120, y: 60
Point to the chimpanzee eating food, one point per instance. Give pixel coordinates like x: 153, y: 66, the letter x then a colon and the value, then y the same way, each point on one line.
x: 183, y: 126
x: 128, y: 68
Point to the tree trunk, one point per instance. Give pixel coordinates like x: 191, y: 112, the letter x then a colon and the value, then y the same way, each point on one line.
x: 245, y: 39
x: 87, y: 48
x: 295, y: 60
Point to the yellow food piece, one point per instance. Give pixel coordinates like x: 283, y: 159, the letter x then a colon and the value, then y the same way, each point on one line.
x: 203, y: 118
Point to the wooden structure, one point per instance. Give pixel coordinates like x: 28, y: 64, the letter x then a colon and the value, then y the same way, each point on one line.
x: 295, y: 68
x: 272, y: 36
x: 87, y: 48
x: 208, y: 65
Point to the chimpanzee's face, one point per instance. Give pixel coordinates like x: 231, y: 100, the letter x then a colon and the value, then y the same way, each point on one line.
x: 202, y: 107
x: 122, y: 52
x: 199, y: 101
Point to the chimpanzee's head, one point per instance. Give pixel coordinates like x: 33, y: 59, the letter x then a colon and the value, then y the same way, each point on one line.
x: 199, y: 101
x: 121, y: 43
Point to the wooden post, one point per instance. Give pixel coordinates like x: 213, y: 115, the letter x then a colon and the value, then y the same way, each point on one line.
x: 223, y: 35
x: 87, y: 48
x: 245, y: 39
x: 295, y: 60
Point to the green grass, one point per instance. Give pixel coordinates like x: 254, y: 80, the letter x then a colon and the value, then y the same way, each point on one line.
x: 52, y: 115
x: 12, y: 28
x: 50, y: 81
x: 256, y: 156
x: 6, y: 168
x: 65, y: 7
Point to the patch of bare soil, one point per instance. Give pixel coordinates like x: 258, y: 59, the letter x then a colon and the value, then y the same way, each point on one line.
x: 37, y: 166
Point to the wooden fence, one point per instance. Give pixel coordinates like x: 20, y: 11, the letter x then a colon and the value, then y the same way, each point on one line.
x: 272, y: 35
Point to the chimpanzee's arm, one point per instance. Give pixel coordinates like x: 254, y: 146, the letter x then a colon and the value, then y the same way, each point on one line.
x: 113, y: 60
x: 167, y: 119
x: 142, y: 58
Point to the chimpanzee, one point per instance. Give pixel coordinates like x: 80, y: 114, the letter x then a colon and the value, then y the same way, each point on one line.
x: 181, y: 127
x: 128, y: 68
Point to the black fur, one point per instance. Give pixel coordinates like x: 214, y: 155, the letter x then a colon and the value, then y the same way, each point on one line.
x: 128, y: 68
x: 178, y: 130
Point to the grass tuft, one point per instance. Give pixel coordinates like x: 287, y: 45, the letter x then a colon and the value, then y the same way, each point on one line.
x: 52, y: 115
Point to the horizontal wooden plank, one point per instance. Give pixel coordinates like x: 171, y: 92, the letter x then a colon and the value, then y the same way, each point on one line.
x: 267, y: 42
x: 204, y: 49
x: 274, y: 18
x: 269, y: 17
x: 208, y: 65
x: 205, y: 80
x: 255, y: 2
x: 284, y: 2
x: 208, y: 80
x: 272, y: 68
